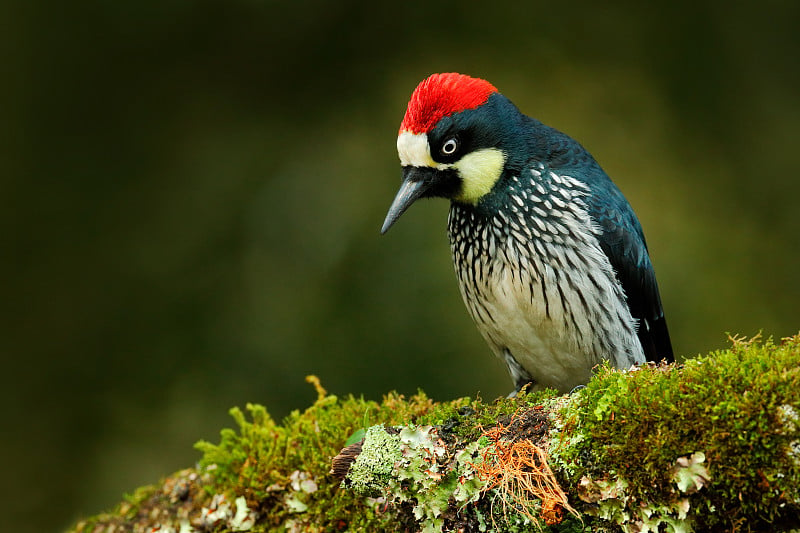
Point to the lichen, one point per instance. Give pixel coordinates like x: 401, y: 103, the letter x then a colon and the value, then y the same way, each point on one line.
x: 611, y: 499
x: 373, y: 467
x: 710, y: 445
x: 412, y: 466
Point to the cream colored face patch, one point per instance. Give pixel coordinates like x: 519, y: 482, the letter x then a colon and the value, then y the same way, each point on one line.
x: 478, y: 170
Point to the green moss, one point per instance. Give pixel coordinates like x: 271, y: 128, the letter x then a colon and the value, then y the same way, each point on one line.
x: 125, y: 512
x: 735, y: 407
x: 712, y: 445
x: 259, y: 460
x: 466, y: 418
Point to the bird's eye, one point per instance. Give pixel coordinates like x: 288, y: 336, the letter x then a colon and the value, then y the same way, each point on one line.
x: 450, y: 146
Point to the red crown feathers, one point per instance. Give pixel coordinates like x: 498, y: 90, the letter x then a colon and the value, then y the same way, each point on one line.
x: 441, y: 95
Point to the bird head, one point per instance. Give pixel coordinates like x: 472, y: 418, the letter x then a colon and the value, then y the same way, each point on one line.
x: 453, y: 142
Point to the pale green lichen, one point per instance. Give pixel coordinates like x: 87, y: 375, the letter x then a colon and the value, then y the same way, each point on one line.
x: 708, y: 446
x: 372, y: 470
x: 790, y: 419
x: 690, y: 474
x: 612, y: 500
x: 412, y: 464
x: 220, y: 514
x: 687, y: 447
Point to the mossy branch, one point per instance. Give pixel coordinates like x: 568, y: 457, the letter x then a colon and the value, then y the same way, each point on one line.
x: 710, y: 445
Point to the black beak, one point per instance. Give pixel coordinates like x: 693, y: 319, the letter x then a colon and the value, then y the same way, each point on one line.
x: 416, y: 181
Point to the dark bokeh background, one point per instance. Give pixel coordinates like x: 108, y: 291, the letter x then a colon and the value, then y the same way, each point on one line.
x: 191, y: 195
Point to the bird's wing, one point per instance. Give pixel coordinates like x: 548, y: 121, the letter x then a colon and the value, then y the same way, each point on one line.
x: 622, y: 240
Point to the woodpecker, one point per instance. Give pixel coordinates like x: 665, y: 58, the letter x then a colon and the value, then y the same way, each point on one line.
x: 550, y: 258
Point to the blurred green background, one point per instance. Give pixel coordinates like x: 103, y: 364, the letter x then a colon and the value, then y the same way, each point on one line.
x: 192, y: 192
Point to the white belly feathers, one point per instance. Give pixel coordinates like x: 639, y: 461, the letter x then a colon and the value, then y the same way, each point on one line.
x: 533, y: 295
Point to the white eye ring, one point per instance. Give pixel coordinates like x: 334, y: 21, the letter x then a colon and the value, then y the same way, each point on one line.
x: 450, y: 146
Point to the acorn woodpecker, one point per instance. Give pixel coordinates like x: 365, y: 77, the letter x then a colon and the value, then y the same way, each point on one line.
x: 550, y: 258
